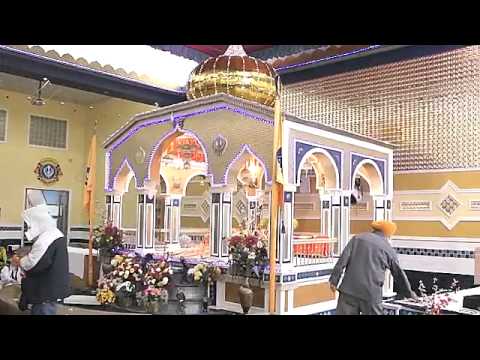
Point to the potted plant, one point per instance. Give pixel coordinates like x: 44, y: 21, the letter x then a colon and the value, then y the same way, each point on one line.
x: 248, y: 258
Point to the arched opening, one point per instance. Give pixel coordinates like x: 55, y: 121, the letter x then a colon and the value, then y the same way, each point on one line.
x: 195, y: 218
x: 176, y: 163
x: 129, y: 212
x: 247, y: 176
x: 367, y: 184
x: 316, y: 234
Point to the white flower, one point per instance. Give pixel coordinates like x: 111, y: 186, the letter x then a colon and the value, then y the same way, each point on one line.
x: 140, y: 271
x: 165, y: 281
x: 251, y: 255
x: 190, y: 271
x: 125, y: 276
x: 259, y: 244
x: 121, y: 273
x: 158, y: 269
x: 170, y: 271
x: 230, y: 257
x: 245, y: 249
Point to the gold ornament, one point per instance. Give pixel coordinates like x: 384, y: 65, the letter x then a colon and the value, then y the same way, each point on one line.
x: 234, y: 73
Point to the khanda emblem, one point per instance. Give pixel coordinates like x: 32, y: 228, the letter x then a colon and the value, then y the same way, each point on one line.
x: 48, y: 171
x: 219, y: 145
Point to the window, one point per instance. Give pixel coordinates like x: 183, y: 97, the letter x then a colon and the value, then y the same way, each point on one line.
x: 48, y: 132
x: 3, y: 125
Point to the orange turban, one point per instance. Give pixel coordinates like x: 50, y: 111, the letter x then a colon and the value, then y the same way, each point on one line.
x: 387, y: 227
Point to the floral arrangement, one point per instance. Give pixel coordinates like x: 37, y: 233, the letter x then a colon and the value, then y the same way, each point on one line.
x: 107, y: 238
x: 438, y: 299
x: 205, y: 273
x: 248, y: 254
x: 125, y: 278
x: 3, y: 257
x: 105, y: 296
x: 157, y: 274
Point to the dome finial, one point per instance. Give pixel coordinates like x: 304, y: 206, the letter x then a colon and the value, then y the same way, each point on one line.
x: 235, y: 50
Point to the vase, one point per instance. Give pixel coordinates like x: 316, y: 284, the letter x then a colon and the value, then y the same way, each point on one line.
x: 246, y: 296
x: 152, y: 306
x: 125, y: 301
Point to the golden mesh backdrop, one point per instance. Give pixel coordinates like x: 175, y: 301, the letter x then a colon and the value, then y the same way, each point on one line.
x: 429, y: 107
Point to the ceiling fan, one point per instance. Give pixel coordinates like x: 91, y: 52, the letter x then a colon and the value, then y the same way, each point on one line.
x: 36, y: 99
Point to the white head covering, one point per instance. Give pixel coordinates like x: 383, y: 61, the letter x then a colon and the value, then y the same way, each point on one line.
x: 38, y: 220
x: 43, y: 226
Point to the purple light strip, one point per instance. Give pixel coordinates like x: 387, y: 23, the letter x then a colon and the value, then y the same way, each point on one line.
x: 27, y: 53
x: 245, y: 148
x: 372, y: 47
x: 124, y: 163
x: 143, y: 125
x: 138, y: 127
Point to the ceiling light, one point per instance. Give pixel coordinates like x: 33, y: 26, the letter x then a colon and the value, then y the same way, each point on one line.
x: 90, y: 107
x: 62, y: 103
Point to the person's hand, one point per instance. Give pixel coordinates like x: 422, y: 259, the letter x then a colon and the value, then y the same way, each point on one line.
x: 15, y: 260
x: 333, y: 287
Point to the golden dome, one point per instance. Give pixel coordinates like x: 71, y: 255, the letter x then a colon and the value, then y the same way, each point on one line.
x: 234, y: 73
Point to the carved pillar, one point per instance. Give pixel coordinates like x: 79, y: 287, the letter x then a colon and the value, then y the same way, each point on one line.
x: 145, y: 223
x: 113, y: 207
x: 286, y: 229
x: 220, y: 223
x: 172, y: 219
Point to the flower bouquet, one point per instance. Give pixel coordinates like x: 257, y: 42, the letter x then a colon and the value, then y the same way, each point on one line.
x: 248, y: 255
x: 105, y: 296
x: 126, y: 277
x: 107, y: 238
x: 156, y: 281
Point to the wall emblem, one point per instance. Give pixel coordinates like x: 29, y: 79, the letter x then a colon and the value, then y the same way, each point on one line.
x: 48, y: 171
x: 140, y: 155
x: 219, y: 145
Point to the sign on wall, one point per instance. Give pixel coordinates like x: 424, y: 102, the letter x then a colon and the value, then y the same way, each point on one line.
x: 48, y: 171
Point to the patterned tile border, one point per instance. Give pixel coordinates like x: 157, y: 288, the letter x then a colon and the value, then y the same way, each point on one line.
x: 10, y: 228
x: 466, y: 254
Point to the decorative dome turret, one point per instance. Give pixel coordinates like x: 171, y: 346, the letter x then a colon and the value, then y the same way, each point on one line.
x: 234, y: 73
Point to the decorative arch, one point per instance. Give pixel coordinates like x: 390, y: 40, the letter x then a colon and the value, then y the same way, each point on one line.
x: 369, y: 170
x: 154, y: 158
x: 245, y: 150
x: 123, y: 176
x: 328, y: 165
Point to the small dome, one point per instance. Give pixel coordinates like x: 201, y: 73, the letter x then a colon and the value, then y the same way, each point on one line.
x: 234, y: 73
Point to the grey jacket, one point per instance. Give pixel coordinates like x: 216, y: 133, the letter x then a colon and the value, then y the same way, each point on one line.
x: 365, y: 260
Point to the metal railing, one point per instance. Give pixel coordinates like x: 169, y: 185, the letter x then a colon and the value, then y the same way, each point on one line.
x: 313, y: 251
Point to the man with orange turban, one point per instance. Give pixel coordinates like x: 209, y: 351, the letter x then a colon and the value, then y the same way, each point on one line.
x: 365, y: 260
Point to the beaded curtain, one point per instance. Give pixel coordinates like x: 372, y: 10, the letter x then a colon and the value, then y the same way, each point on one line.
x: 429, y: 107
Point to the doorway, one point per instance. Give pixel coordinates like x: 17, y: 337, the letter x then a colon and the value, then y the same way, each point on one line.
x: 58, y: 205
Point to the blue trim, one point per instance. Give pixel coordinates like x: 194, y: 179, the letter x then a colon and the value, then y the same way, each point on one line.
x: 356, y: 63
x: 313, y: 274
x: 302, y: 148
x: 357, y: 159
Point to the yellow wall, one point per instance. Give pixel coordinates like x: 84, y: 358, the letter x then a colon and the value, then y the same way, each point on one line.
x: 18, y: 160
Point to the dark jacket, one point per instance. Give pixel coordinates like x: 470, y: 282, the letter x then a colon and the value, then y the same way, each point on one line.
x: 48, y: 280
x: 365, y: 260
